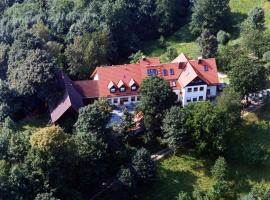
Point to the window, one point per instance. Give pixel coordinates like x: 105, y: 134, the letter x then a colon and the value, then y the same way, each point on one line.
x: 173, y: 83
x: 133, y: 88
x: 195, y: 89
x: 109, y: 101
x: 171, y: 72
x: 138, y: 98
x: 205, y: 68
x: 165, y: 73
x: 200, y: 98
x: 188, y: 99
x: 122, y: 89
x: 133, y: 99
x: 152, y: 72
x: 115, y: 101
x: 113, y: 90
x: 194, y: 99
x: 189, y: 89
x: 201, y: 88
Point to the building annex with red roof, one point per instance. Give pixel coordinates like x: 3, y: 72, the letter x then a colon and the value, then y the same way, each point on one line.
x: 191, y: 80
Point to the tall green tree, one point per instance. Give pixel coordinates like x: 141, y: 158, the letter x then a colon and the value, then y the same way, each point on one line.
x: 208, y: 44
x: 248, y: 76
x: 88, y: 52
x: 156, y: 97
x: 209, y: 14
x: 174, y: 131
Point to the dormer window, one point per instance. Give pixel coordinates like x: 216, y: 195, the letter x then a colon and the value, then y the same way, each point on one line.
x: 171, y: 72
x: 113, y: 90
x: 152, y: 72
x: 122, y: 89
x: 205, y: 67
x: 132, y: 84
x: 112, y: 87
x: 133, y: 88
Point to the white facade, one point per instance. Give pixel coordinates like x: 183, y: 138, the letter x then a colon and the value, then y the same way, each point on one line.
x: 124, y: 100
x: 212, y: 90
x: 193, y: 94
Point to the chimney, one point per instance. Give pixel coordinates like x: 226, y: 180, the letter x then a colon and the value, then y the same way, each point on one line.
x: 143, y: 58
x: 200, y: 60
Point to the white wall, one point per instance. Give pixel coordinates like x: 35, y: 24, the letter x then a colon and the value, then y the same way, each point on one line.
x: 111, y: 100
x: 213, y: 90
x: 193, y: 94
x: 96, y: 77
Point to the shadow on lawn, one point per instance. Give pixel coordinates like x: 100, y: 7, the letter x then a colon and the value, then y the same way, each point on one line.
x: 169, y: 183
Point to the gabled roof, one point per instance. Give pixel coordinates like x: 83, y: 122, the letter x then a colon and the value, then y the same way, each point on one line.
x: 120, y: 84
x: 71, y: 99
x: 87, y: 88
x: 131, y: 82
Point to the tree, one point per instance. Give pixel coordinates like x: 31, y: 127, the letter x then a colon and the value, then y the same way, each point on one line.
x: 223, y: 37
x: 37, y: 76
x: 210, y: 14
x: 256, y: 18
x: 87, y: 52
x: 243, y: 71
x: 93, y: 118
x: 183, y: 196
x: 171, y: 53
x: 208, y: 128
x: 171, y: 14
x: 174, y: 130
x: 136, y: 57
x: 230, y: 102
x: 208, y: 44
x: 219, y: 170
x: 260, y: 191
x: 45, y: 196
x: 156, y: 97
x: 143, y: 166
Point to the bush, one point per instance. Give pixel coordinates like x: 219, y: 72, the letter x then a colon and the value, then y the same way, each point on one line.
x: 219, y: 170
x: 183, y: 196
x: 171, y: 53
x: 223, y: 37
x: 144, y: 167
x: 254, y: 154
x: 266, y: 57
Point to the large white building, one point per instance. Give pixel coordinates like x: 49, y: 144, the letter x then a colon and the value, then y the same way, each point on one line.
x: 191, y: 80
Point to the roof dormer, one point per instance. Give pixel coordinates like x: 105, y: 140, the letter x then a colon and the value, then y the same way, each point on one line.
x: 112, y: 87
x: 121, y: 85
x: 133, y: 85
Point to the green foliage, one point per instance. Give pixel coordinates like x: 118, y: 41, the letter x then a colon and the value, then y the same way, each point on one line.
x: 210, y: 14
x: 243, y: 71
x: 256, y: 18
x: 219, y: 170
x: 223, y: 37
x: 254, y: 154
x: 87, y: 52
x: 171, y: 53
x: 183, y: 196
x: 45, y: 196
x: 260, y: 191
x: 230, y: 102
x: 208, y: 128
x: 143, y: 166
x: 208, y: 44
x: 126, y: 179
x: 266, y: 57
x: 94, y: 117
x: 174, y: 130
x: 135, y: 57
x: 156, y: 97
x: 36, y: 75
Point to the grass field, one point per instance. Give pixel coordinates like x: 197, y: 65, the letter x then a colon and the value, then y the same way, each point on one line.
x: 184, y: 43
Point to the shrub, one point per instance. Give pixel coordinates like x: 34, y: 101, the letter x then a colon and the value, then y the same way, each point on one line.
x: 171, y: 53
x: 254, y: 154
x: 219, y: 170
x: 223, y: 37
x: 183, y: 196
x: 143, y: 166
x: 266, y: 57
